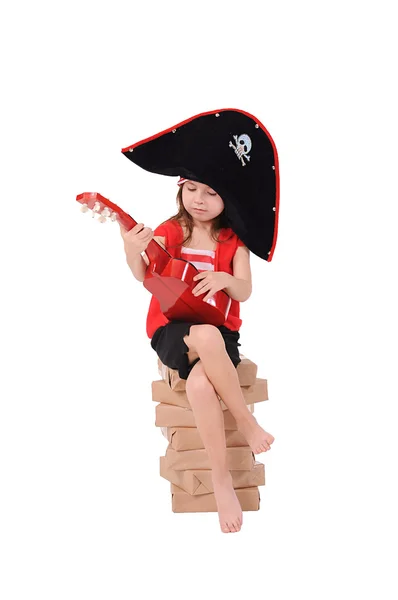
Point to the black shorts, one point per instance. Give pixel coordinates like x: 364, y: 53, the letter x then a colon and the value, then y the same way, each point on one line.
x: 168, y: 343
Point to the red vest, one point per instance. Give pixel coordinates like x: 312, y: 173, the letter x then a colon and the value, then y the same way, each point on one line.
x: 173, y: 234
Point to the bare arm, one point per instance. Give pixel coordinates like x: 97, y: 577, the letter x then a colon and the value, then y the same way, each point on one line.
x: 240, y: 283
x: 138, y: 264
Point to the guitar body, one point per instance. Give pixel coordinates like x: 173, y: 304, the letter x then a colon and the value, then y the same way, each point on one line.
x: 167, y: 278
x: 173, y: 288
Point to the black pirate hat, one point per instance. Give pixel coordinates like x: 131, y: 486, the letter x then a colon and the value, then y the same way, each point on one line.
x: 232, y: 152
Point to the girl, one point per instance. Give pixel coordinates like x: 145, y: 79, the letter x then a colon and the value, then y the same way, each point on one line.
x: 205, y: 355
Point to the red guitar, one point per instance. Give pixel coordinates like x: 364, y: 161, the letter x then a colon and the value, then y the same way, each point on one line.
x: 169, y: 279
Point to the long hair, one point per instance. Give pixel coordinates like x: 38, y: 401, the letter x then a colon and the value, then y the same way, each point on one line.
x: 184, y: 217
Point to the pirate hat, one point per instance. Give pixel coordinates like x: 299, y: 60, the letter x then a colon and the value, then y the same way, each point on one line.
x: 232, y: 152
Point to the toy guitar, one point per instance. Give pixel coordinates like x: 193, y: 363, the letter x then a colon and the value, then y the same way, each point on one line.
x: 169, y: 279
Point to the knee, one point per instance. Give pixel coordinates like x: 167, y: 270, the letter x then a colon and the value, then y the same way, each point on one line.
x: 205, y: 334
x: 197, y: 381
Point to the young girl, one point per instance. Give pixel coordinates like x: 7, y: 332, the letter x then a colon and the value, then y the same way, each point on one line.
x: 205, y: 355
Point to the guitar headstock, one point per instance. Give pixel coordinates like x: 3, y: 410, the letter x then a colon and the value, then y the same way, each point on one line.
x: 99, y: 206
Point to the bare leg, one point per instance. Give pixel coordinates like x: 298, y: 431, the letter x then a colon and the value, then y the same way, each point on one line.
x: 210, y: 423
x: 208, y: 343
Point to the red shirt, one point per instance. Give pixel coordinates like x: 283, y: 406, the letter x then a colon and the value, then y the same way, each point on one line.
x: 224, y: 253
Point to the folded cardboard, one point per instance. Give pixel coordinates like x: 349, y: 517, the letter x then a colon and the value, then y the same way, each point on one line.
x: 246, y: 370
x: 249, y: 499
x: 161, y: 392
x: 238, y: 459
x: 188, y: 438
x: 168, y: 415
x: 199, y: 481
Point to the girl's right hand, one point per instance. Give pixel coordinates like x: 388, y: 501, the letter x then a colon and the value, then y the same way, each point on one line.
x: 137, y: 239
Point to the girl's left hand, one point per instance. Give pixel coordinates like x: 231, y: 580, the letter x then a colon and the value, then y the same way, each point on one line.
x: 211, y: 282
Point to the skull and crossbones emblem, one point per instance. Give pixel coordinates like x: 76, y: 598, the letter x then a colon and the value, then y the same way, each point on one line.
x: 242, y: 148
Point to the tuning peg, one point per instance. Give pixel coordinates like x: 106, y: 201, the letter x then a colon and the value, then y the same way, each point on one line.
x: 95, y: 209
x: 113, y: 216
x: 104, y: 214
x: 84, y: 208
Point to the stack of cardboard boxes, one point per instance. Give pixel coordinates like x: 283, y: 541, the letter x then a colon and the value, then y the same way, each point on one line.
x: 186, y: 464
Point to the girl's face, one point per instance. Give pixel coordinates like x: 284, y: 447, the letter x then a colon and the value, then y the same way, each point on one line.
x: 201, y: 201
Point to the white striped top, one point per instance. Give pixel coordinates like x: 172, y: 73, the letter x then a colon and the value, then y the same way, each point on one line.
x: 203, y: 260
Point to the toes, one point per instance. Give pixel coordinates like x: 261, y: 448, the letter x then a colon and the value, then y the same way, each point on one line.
x: 262, y: 448
x: 227, y: 527
x: 233, y: 526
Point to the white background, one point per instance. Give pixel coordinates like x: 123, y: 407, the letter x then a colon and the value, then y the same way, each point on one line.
x: 84, y: 512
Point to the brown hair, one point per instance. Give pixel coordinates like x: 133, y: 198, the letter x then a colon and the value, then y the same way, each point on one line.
x: 185, y: 218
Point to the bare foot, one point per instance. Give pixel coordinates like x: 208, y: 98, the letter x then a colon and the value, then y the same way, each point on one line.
x: 228, y: 505
x: 258, y: 439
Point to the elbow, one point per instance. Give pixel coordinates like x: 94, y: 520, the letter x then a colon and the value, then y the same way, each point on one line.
x: 242, y: 298
x: 248, y: 294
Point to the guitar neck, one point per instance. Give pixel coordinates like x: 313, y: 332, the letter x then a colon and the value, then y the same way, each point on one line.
x: 154, y: 251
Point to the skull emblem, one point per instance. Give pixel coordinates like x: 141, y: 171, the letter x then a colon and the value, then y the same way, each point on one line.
x: 243, y: 147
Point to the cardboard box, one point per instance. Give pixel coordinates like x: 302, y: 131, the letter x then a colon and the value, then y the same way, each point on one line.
x: 249, y: 499
x: 246, y: 370
x: 168, y: 415
x: 161, y: 392
x: 238, y: 459
x: 188, y: 438
x: 198, y: 481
